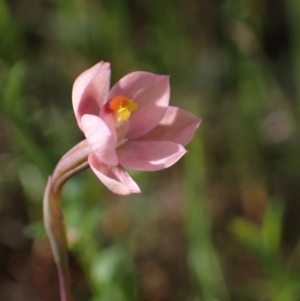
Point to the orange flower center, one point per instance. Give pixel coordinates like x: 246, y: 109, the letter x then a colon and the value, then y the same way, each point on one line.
x: 122, y: 107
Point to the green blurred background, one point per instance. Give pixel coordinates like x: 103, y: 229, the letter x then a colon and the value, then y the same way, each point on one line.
x: 223, y: 223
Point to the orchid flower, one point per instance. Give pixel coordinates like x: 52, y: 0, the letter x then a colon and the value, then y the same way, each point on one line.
x: 130, y: 125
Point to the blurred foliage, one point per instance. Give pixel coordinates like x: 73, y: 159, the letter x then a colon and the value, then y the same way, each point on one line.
x: 223, y: 223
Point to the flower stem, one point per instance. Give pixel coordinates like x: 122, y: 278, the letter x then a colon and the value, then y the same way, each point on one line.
x: 71, y: 163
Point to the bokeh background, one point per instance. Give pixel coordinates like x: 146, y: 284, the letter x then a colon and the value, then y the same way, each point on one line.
x: 223, y: 223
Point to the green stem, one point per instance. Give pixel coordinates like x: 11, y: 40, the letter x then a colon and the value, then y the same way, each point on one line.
x: 54, y: 223
x: 71, y: 163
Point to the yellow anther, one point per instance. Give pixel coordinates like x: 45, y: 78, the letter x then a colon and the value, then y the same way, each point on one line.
x: 122, y: 107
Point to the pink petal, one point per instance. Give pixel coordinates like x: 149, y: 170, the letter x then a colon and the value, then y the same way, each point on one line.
x: 149, y: 155
x: 151, y: 92
x: 177, y: 125
x: 90, y: 90
x: 114, y: 178
x: 100, y: 139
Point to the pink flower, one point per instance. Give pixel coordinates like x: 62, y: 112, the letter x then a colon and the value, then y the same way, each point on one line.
x: 130, y: 125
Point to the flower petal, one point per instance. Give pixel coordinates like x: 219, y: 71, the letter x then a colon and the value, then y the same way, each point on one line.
x: 149, y: 155
x: 151, y: 92
x: 114, y: 178
x: 177, y: 125
x: 90, y: 90
x: 100, y: 138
